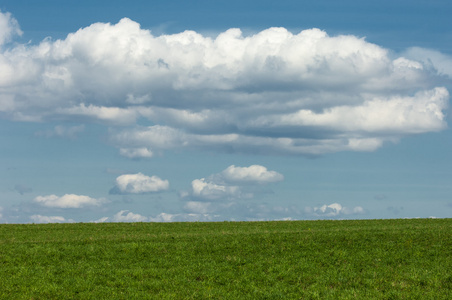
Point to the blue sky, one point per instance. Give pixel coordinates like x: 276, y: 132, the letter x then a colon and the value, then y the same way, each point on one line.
x: 224, y: 110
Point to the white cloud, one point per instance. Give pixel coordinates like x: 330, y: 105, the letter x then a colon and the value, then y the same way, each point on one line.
x: 49, y: 219
x: 9, y: 27
x: 231, y: 184
x: 142, y: 152
x: 421, y: 113
x: 334, y: 210
x: 250, y: 175
x: 272, y: 92
x: 208, y: 190
x: 126, y: 216
x: 139, y: 184
x: 109, y: 115
x: 68, y: 201
x: 101, y: 220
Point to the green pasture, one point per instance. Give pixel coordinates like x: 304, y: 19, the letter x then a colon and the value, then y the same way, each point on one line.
x: 365, y: 259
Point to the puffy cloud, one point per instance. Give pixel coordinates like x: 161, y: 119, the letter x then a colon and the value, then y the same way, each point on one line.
x: 398, y: 115
x: 272, y: 92
x: 254, y: 174
x: 50, y: 219
x: 334, y: 210
x: 231, y: 184
x: 126, y: 216
x: 207, y: 190
x: 139, y: 184
x: 68, y: 201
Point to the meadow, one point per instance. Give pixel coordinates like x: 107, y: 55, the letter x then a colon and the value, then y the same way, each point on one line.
x: 351, y: 259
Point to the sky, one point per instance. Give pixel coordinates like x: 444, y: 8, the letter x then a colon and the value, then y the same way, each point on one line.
x: 167, y: 111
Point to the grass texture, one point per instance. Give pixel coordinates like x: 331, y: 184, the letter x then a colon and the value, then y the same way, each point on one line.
x: 365, y: 259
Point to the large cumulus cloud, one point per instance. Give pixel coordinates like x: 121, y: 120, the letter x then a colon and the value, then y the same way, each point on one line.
x: 271, y: 92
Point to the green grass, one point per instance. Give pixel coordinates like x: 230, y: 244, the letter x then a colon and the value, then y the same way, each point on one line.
x: 366, y: 259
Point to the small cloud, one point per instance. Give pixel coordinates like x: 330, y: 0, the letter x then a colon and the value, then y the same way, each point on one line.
x: 358, y: 210
x: 139, y: 184
x: 22, y: 189
x: 126, y: 216
x: 232, y: 183
x: 334, y: 210
x: 142, y: 152
x: 208, y: 190
x: 68, y: 201
x: 328, y: 210
x: 49, y: 219
x: 254, y: 174
x: 101, y: 220
x: 9, y: 27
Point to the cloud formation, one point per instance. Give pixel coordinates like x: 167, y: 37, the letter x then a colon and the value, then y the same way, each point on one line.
x: 126, y: 216
x: 68, y: 201
x: 272, y: 92
x: 139, y: 184
x: 231, y: 184
x: 254, y: 174
x: 9, y: 27
x: 222, y: 196
x: 334, y: 210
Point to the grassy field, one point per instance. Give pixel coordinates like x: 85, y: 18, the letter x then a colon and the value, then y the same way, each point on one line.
x: 366, y: 259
